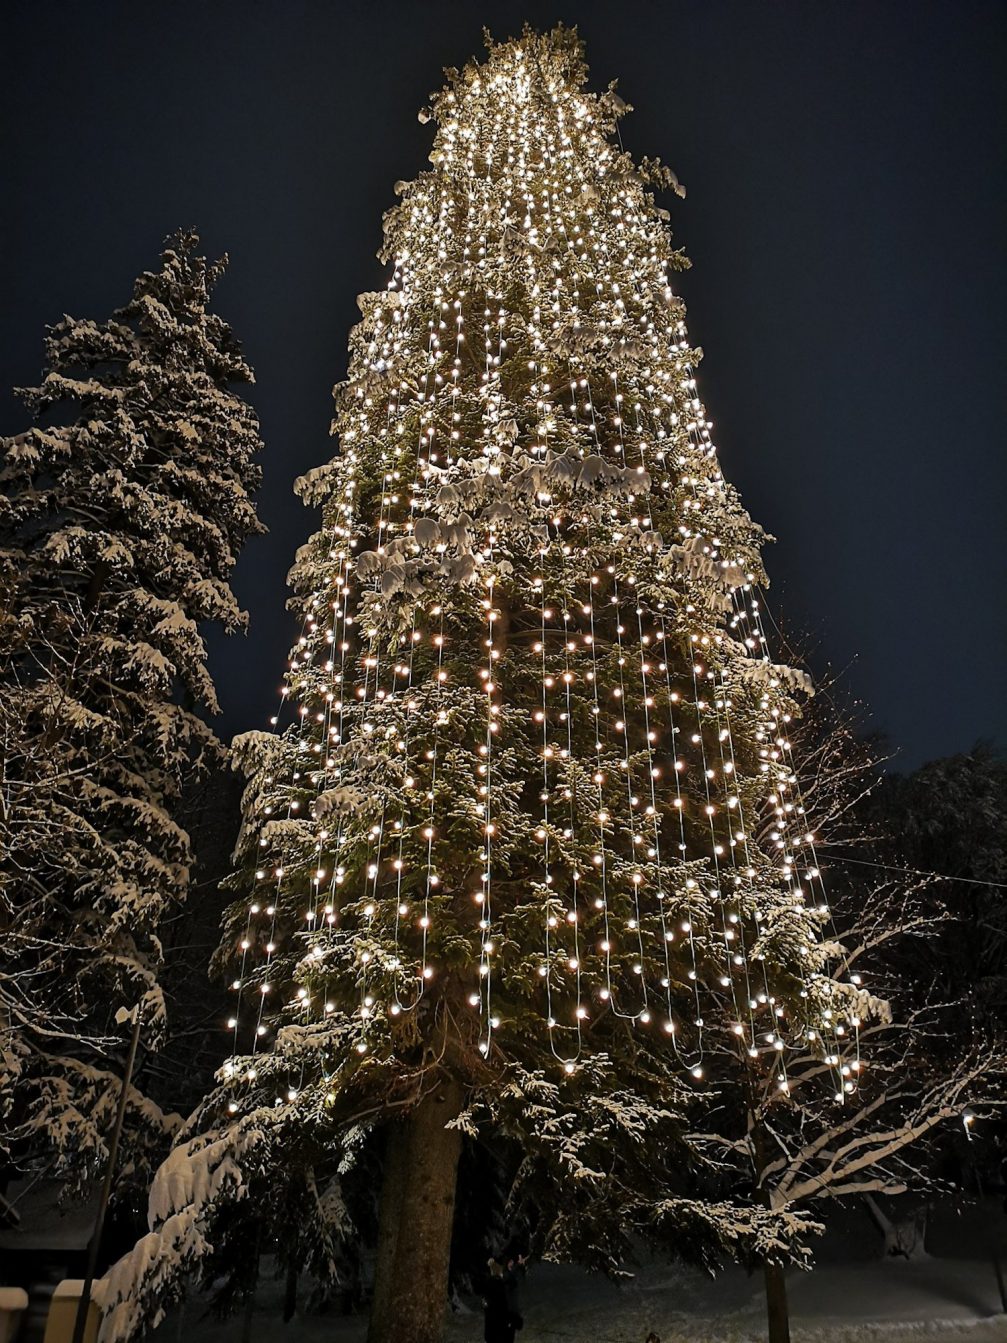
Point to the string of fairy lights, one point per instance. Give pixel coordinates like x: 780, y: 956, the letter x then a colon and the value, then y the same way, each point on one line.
x: 651, y: 881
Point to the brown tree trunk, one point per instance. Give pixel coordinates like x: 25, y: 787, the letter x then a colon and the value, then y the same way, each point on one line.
x: 777, y: 1311
x: 394, y: 1175
x: 290, y: 1294
x: 411, y: 1281
x: 249, y: 1310
x: 95, y: 585
x: 777, y: 1308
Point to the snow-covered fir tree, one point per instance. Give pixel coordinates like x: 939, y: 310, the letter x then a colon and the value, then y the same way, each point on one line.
x: 534, y: 823
x: 122, y: 512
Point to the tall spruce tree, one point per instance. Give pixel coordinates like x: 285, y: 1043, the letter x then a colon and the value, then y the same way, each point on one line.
x: 511, y: 853
x: 121, y: 516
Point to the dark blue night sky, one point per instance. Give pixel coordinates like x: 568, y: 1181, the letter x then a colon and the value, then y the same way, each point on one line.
x: 845, y: 217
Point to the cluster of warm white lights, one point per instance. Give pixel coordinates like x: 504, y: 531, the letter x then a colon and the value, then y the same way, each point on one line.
x: 530, y: 325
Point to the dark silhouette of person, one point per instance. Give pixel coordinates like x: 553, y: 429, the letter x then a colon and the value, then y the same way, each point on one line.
x: 500, y: 1299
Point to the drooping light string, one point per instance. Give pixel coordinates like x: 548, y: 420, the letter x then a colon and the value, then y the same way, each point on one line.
x: 748, y: 609
x: 653, y: 773
x: 573, y: 914
x: 847, y: 1067
x: 600, y: 856
x: 486, y: 789
x: 254, y: 909
x: 688, y: 883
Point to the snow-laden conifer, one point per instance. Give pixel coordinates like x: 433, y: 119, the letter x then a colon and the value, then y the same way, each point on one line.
x: 122, y: 512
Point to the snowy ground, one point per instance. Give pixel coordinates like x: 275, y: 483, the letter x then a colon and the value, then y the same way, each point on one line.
x: 939, y: 1300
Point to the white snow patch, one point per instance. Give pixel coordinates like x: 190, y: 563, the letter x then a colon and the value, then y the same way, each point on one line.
x: 873, y: 1302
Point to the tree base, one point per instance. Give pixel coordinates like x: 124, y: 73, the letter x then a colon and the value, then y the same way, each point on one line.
x: 777, y: 1308
x: 417, y: 1213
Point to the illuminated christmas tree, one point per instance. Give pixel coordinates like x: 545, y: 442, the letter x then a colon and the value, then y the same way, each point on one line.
x: 534, y: 830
